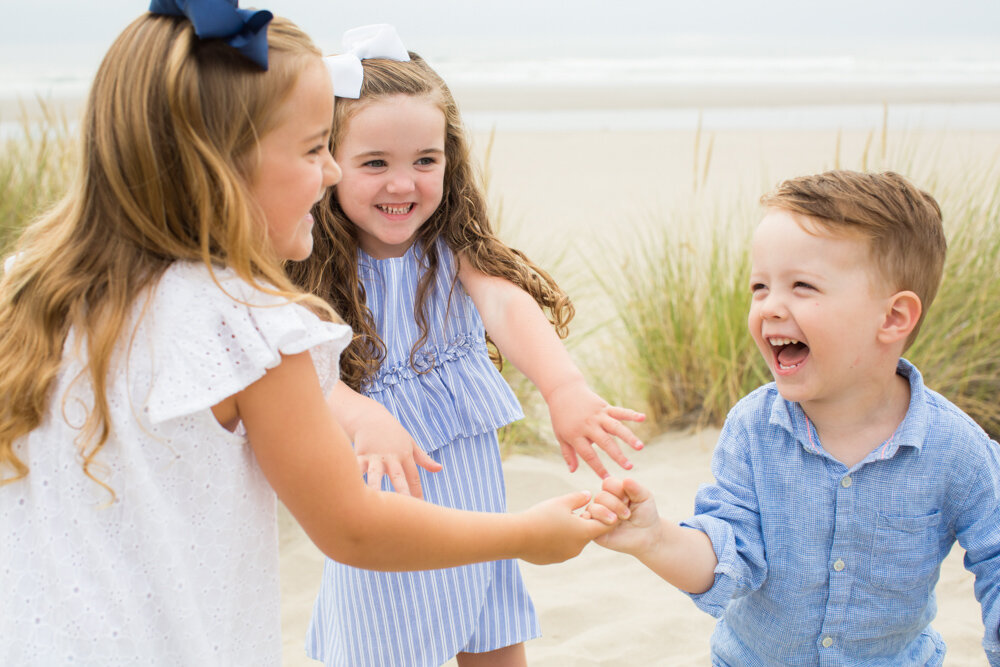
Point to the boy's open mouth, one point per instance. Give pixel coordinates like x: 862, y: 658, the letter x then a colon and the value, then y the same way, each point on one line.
x: 400, y: 209
x: 788, y: 352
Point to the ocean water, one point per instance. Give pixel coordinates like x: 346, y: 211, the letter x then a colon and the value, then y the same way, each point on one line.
x: 961, y: 92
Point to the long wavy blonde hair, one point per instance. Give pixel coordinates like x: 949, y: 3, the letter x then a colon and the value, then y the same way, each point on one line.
x: 169, y: 134
x: 461, y: 220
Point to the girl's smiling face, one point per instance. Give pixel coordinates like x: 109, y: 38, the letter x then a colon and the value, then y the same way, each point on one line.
x: 816, y: 308
x: 393, y: 162
x: 295, y: 166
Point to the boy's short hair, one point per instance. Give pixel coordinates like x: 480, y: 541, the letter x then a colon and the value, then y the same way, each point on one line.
x: 902, y: 223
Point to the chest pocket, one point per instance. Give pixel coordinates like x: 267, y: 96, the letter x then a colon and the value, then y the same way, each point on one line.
x: 906, y: 551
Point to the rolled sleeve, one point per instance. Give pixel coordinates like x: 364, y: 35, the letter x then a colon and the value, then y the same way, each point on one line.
x: 729, y: 574
x: 727, y: 511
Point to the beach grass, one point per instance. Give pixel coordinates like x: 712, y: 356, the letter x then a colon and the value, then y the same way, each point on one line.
x: 679, y: 296
x: 686, y: 347
x: 35, y: 169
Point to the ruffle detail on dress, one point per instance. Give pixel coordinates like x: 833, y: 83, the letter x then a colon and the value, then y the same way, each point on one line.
x: 423, y: 362
x: 209, y: 344
x: 450, y: 392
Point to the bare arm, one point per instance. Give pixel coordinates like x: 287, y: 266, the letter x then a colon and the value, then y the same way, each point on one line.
x: 522, y: 333
x: 306, y: 457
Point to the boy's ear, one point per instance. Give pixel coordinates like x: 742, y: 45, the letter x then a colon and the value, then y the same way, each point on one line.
x: 901, y: 314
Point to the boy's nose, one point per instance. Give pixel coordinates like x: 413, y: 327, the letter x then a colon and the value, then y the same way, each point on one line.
x: 772, y: 307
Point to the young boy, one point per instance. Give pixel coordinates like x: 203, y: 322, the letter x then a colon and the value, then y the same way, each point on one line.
x: 841, y: 486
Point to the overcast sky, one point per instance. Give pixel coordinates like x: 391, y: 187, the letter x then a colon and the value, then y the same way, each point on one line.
x: 79, y: 32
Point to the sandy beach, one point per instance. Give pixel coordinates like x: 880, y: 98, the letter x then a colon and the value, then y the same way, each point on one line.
x: 604, y: 608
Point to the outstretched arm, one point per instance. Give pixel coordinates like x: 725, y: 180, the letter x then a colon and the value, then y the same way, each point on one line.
x: 383, y: 447
x: 682, y: 556
x: 580, y: 418
x: 307, y: 459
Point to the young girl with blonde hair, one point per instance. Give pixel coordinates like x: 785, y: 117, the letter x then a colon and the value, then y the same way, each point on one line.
x: 157, y: 368
x: 405, y: 252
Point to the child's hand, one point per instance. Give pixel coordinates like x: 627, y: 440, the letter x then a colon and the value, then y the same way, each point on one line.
x: 384, y: 447
x: 556, y: 532
x: 630, y: 510
x: 581, y: 419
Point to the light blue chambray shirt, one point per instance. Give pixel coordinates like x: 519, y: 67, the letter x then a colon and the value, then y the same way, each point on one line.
x: 824, y: 565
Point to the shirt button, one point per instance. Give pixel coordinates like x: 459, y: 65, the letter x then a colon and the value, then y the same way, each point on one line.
x: 827, y: 642
x: 846, y: 482
x: 838, y: 565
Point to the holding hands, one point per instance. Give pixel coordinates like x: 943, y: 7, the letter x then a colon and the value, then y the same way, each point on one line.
x: 567, y: 532
x: 682, y: 556
x: 629, y: 509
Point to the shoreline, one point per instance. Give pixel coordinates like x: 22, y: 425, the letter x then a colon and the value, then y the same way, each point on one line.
x: 568, y: 97
x: 714, y: 94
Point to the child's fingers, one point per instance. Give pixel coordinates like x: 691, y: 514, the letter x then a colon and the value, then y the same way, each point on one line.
x: 375, y: 470
x: 636, y: 492
x: 589, y: 456
x: 625, y: 414
x: 424, y: 460
x: 592, y: 528
x: 574, y: 501
x: 569, y: 455
x: 608, y: 508
x: 613, y: 485
x: 611, y: 448
x: 622, y: 432
x: 400, y: 479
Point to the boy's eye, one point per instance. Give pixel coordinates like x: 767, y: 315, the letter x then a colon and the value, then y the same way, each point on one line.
x: 802, y: 285
x: 757, y: 287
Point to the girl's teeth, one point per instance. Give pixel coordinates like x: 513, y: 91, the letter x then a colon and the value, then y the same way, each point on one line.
x: 395, y: 210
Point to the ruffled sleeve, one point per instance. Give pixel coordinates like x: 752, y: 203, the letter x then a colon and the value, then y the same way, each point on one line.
x: 207, y: 343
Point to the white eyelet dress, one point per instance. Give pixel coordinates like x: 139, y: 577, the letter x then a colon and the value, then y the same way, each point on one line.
x: 182, y: 568
x: 452, y: 403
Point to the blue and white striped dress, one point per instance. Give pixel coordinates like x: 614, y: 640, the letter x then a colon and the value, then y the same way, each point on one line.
x: 452, y: 408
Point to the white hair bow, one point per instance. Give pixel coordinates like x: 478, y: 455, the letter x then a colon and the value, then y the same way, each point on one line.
x: 378, y: 40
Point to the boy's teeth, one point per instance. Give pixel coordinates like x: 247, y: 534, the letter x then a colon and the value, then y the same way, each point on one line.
x: 782, y: 341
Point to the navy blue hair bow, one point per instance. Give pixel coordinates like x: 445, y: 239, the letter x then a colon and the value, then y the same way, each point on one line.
x: 243, y: 29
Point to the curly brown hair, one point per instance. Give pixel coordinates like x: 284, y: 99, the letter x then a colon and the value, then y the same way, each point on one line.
x: 461, y: 219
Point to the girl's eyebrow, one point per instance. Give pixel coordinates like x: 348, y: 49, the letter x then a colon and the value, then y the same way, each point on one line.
x: 382, y: 153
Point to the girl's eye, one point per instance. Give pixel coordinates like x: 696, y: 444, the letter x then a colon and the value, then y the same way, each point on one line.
x: 425, y: 161
x: 375, y: 164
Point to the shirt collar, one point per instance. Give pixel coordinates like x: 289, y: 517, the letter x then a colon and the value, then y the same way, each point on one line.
x: 910, y: 433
